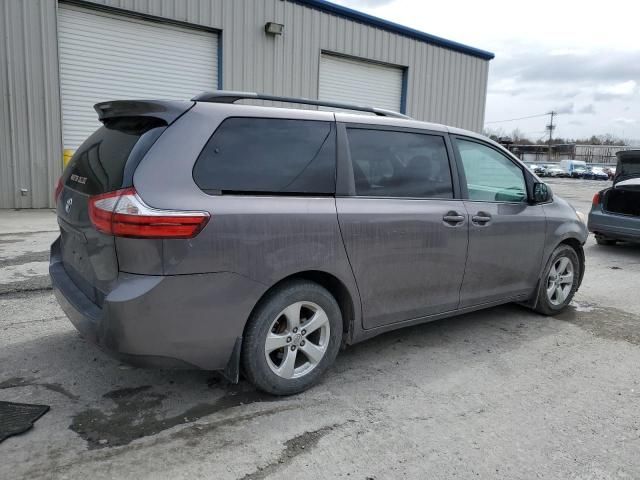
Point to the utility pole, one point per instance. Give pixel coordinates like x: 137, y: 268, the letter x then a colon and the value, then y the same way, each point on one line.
x: 550, y: 127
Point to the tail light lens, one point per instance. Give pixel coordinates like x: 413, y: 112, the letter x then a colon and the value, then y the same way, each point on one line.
x: 124, y: 214
x: 58, y: 190
x: 596, y: 199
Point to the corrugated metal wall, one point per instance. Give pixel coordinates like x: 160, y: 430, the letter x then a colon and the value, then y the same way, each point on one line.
x: 443, y: 86
x: 30, y: 133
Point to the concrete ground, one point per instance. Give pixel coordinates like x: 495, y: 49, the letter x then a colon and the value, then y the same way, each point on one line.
x: 502, y: 393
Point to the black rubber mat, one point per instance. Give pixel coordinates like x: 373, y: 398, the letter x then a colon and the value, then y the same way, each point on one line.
x: 17, y: 418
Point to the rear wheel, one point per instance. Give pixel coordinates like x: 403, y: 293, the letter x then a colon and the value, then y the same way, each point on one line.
x: 559, y: 282
x: 600, y: 240
x: 292, y: 338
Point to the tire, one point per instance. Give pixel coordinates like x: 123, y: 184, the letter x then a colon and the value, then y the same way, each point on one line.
x: 301, y: 357
x: 552, y: 301
x: 600, y: 240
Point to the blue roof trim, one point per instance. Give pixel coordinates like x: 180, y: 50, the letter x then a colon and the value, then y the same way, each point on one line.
x: 351, y: 14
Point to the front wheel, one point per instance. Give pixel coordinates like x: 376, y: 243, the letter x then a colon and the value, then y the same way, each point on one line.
x: 559, y: 281
x: 292, y: 337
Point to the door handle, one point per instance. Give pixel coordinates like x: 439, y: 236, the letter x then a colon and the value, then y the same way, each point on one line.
x: 481, y: 218
x: 453, y: 218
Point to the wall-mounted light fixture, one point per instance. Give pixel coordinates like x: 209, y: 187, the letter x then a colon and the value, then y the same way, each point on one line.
x: 273, y: 28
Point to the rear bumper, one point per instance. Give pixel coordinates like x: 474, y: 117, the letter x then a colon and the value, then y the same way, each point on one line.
x: 179, y: 321
x: 618, y: 227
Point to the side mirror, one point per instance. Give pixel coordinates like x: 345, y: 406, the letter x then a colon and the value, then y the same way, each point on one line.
x: 541, y: 193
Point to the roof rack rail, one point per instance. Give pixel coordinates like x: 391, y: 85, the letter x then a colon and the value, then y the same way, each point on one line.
x: 225, y: 96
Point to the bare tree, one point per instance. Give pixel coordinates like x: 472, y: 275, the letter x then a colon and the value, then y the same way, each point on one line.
x: 494, y: 133
x: 519, y: 138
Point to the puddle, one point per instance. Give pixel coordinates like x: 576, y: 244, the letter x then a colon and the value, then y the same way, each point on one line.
x: 138, y: 413
x: 17, y: 382
x: 609, y: 323
x: 29, y: 257
x: 36, y: 283
x: 583, y: 306
x: 292, y: 448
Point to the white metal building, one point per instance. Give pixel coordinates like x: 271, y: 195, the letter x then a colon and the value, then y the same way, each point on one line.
x: 58, y: 58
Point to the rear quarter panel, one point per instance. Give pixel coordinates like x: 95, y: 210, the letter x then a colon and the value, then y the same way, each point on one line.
x: 264, y: 238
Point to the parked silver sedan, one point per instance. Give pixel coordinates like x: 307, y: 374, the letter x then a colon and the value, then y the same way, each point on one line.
x: 615, y: 211
x: 556, y: 172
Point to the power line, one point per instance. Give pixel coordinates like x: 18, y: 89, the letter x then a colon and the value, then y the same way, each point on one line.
x: 521, y: 118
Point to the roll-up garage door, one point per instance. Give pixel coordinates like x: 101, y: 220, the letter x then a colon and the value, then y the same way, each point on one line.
x: 361, y: 82
x: 104, y: 56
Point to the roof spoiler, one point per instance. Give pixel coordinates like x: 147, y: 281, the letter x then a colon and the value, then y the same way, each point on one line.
x: 167, y: 111
x: 225, y: 96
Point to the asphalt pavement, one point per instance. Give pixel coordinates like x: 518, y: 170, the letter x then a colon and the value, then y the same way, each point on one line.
x: 503, y: 393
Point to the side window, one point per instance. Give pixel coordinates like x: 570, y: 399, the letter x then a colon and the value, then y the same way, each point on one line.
x: 491, y: 177
x: 399, y: 164
x: 269, y: 155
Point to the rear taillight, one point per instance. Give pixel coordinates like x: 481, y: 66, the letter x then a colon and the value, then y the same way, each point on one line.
x: 596, y: 200
x: 123, y: 214
x: 58, y: 190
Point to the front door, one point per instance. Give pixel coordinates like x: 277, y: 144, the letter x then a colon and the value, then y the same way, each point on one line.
x: 506, y: 233
x: 405, y: 233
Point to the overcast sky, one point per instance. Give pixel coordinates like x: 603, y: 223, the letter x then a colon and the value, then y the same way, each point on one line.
x: 579, y: 58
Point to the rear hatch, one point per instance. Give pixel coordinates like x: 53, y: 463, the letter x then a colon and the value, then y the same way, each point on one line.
x: 627, y: 170
x: 624, y: 197
x: 104, y: 163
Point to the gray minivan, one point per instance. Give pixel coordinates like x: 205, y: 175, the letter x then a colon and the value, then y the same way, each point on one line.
x: 259, y: 240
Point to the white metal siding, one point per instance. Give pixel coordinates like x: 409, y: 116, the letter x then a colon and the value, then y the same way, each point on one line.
x: 30, y: 137
x: 365, y: 83
x: 111, y: 57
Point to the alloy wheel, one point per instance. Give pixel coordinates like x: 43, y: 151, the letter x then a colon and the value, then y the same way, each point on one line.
x: 297, y: 340
x: 560, y: 281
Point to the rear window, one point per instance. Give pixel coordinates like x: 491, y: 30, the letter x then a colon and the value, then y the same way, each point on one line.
x: 264, y: 155
x: 106, y: 160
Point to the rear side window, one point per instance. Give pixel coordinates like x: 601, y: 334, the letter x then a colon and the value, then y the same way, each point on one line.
x: 105, y: 161
x: 399, y: 164
x: 265, y: 155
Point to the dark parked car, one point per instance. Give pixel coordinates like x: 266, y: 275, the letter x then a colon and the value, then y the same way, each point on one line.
x: 595, y: 173
x: 251, y: 239
x: 540, y: 170
x: 615, y: 212
x: 578, y: 172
